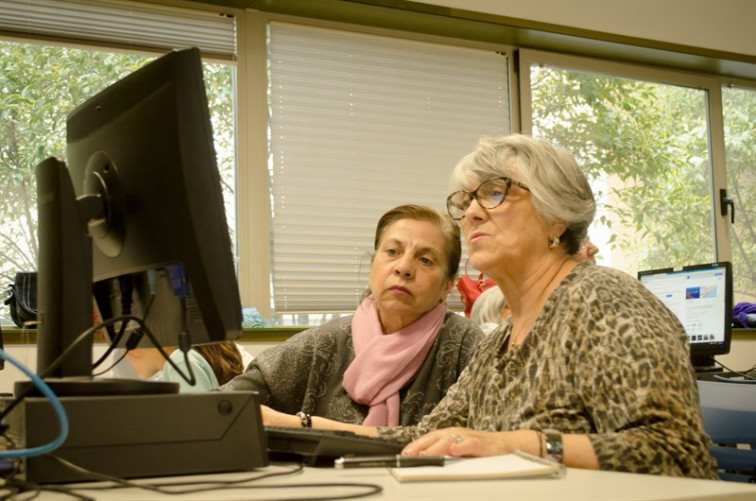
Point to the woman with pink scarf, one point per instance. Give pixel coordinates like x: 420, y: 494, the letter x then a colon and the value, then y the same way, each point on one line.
x: 392, y: 361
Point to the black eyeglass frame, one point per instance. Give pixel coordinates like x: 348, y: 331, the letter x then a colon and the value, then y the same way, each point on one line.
x: 473, y: 195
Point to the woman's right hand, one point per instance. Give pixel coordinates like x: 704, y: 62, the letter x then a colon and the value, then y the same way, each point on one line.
x: 471, y: 443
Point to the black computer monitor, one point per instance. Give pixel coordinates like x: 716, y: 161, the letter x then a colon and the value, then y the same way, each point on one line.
x: 701, y: 298
x: 136, y: 221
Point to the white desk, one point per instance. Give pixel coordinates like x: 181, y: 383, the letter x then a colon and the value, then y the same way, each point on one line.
x: 583, y: 485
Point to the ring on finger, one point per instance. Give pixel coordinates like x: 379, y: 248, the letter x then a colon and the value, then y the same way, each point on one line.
x: 458, y: 438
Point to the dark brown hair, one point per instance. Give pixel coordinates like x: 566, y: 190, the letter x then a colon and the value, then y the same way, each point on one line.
x: 224, y: 358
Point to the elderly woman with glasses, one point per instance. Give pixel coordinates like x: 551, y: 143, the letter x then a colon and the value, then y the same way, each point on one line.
x: 590, y: 369
x: 393, y: 360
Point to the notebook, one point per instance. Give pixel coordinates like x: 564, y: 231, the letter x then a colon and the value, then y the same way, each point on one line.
x: 320, y: 447
x: 516, y: 465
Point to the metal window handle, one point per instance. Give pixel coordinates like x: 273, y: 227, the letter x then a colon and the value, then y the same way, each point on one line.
x: 724, y: 202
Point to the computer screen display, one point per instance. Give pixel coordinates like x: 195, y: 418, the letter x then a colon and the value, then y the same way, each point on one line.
x: 701, y: 298
x: 136, y: 218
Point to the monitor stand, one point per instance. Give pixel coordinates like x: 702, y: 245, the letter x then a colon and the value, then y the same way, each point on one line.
x: 705, y: 364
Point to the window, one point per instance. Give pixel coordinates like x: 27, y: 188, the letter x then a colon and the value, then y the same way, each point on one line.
x: 40, y: 83
x: 371, y: 150
x: 33, y: 106
x: 358, y: 125
x: 642, y: 137
x: 739, y: 111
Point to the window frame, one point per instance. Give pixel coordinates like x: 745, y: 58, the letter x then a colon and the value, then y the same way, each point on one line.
x: 679, y: 66
x: 711, y: 84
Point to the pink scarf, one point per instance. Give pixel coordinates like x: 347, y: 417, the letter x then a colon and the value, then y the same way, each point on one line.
x: 383, y: 363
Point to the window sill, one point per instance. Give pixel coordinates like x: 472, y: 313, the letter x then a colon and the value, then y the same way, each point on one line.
x: 15, y: 336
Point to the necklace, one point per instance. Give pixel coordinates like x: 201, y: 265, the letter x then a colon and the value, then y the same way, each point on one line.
x: 512, y: 340
x: 520, y: 332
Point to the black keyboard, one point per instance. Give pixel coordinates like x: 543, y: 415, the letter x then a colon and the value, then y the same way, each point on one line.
x: 320, y: 447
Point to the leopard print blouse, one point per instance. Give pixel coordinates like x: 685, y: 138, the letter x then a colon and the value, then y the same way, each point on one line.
x: 605, y: 358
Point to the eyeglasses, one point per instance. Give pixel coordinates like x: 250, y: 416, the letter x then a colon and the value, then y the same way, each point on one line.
x: 489, y: 195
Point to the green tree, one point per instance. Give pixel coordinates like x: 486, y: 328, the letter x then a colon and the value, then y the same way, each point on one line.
x: 740, y: 141
x: 39, y: 86
x: 647, y: 144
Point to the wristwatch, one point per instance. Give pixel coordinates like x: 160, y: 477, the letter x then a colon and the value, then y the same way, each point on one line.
x: 554, y: 447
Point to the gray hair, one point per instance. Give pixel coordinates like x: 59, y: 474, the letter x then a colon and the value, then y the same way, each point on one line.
x: 487, y: 308
x: 559, y: 190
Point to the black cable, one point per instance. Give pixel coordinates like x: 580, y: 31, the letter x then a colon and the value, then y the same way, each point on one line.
x: 185, y: 345
x: 125, y: 310
x: 297, y: 468
x: 56, y: 363
x: 111, y: 366
x: 131, y: 343
x: 17, y: 487
x: 145, y: 330
x: 162, y: 488
x: 113, y: 344
x: 83, y: 337
x: 745, y: 374
x: 65, y: 490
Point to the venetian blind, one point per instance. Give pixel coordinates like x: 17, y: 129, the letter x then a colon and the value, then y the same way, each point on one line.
x: 121, y: 23
x: 360, y: 124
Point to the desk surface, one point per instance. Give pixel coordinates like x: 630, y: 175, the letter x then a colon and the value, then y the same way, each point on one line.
x: 577, y: 484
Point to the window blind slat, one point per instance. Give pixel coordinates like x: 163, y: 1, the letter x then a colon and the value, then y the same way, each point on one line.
x: 121, y: 22
x: 360, y: 124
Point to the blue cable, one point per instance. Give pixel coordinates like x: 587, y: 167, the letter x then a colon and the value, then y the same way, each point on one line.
x: 57, y: 406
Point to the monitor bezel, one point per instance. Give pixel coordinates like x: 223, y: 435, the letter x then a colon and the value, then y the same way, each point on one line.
x: 702, y: 354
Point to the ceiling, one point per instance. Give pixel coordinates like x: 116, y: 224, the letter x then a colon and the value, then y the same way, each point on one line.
x: 446, y: 21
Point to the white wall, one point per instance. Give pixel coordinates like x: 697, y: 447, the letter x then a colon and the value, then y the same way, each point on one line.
x: 722, y: 25
x: 742, y: 355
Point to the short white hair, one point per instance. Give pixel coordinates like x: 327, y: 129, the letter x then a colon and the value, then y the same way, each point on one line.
x: 559, y: 189
x: 487, y: 308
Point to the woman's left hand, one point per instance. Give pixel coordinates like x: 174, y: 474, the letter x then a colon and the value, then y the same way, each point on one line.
x: 465, y: 442
x: 274, y: 418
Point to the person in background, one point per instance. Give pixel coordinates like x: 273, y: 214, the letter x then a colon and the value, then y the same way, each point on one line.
x: 591, y: 370
x: 246, y: 356
x: 124, y: 369
x: 588, y: 251
x: 225, y: 359
x: 212, y: 365
x: 490, y: 310
x: 395, y: 358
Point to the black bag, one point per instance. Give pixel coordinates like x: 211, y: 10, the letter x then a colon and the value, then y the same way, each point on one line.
x: 22, y: 299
